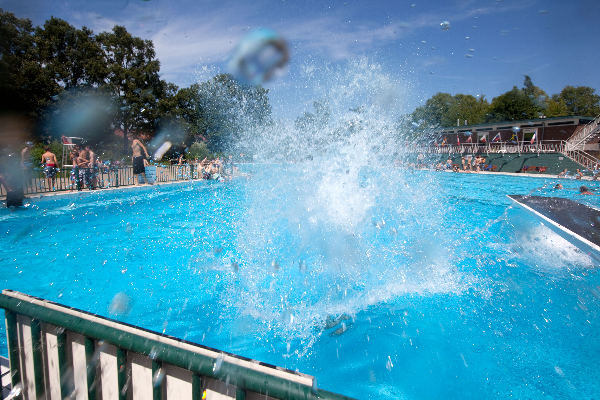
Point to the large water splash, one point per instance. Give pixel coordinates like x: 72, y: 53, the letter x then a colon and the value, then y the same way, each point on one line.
x: 327, y: 233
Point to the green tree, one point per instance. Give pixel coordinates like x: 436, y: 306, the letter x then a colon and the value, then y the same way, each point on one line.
x: 132, y: 79
x: 24, y: 86
x: 580, y: 100
x: 71, y: 57
x: 556, y: 107
x: 513, y: 105
x: 538, y: 96
x: 432, y: 114
x: 226, y: 108
x: 465, y: 107
x: 198, y: 151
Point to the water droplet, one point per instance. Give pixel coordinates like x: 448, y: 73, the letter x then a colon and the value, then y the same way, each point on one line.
x: 15, y: 392
x: 558, y: 370
x: 218, y: 363
x: 120, y: 304
x: 158, y: 377
x: 389, y: 365
x: 445, y: 25
x: 258, y: 56
x: 160, y: 152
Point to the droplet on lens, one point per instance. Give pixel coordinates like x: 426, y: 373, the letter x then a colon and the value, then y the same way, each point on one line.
x: 258, y: 56
x: 120, y: 304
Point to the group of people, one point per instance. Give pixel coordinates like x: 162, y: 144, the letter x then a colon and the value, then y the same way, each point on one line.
x: 578, y: 174
x: 217, y: 169
x: 467, y: 164
x: 87, y: 169
x: 84, y: 162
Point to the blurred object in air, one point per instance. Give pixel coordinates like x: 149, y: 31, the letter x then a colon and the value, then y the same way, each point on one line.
x: 258, y: 56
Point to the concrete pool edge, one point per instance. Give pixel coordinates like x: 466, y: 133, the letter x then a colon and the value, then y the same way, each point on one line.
x: 158, y: 184
x: 97, y: 191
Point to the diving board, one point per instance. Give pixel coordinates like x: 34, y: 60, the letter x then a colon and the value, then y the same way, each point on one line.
x: 576, y: 222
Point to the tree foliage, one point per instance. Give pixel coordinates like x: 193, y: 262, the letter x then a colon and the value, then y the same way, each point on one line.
x: 580, y: 100
x: 24, y: 86
x: 528, y: 102
x: 512, y: 106
x: 443, y: 109
x: 52, y: 70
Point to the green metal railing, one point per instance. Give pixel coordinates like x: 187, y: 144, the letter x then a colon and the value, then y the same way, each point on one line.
x: 34, y: 318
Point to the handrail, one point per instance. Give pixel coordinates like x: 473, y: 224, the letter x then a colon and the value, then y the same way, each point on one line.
x: 162, y: 350
x: 588, y: 161
x: 581, y: 134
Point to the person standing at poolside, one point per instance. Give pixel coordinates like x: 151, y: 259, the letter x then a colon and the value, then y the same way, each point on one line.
x: 26, y: 155
x: 92, y: 168
x: 26, y: 163
x: 138, y: 159
x: 83, y: 163
x: 50, y: 167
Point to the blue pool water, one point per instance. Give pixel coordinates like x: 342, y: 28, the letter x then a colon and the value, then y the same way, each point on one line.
x: 381, y: 283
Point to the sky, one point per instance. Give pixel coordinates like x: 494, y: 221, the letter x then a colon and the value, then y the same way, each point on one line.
x: 488, y: 48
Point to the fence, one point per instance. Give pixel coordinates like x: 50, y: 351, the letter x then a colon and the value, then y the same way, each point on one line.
x: 581, y: 157
x: 60, y: 352
x: 493, y: 148
x: 101, y: 178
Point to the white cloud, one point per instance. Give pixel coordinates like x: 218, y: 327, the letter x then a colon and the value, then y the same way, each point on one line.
x: 185, y: 41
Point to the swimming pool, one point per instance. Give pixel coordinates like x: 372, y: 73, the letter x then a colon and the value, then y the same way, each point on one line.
x: 382, y: 283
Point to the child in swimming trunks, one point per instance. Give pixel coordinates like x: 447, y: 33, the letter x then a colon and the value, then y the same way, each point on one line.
x: 50, y: 167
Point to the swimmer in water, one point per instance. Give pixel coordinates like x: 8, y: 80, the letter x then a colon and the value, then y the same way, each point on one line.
x: 586, y: 191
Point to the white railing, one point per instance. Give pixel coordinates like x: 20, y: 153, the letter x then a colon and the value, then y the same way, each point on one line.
x: 494, y: 148
x: 581, y: 157
x: 583, y: 134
